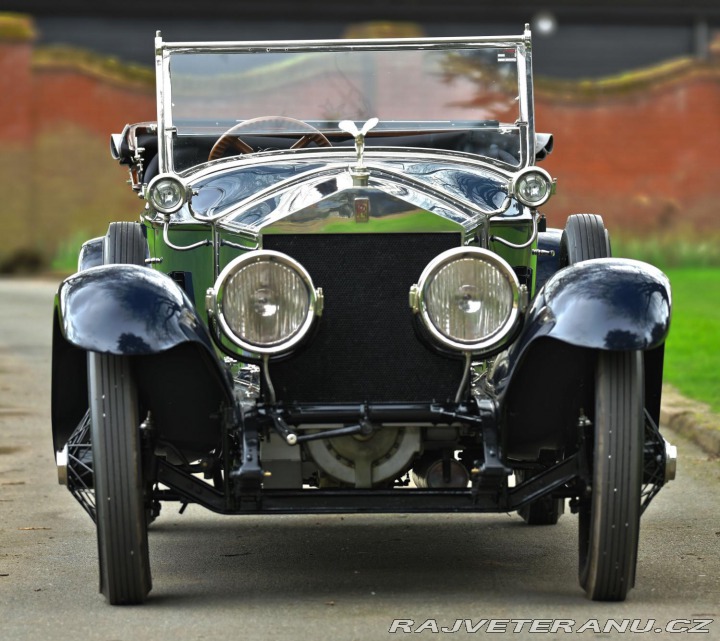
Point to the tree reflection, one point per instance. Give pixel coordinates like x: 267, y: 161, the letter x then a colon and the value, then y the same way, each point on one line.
x: 493, y: 72
x: 621, y: 294
x: 127, y: 308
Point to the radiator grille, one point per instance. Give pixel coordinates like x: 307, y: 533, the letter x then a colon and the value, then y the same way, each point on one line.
x: 365, y: 348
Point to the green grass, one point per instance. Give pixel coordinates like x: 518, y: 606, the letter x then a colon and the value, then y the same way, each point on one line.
x: 66, y: 256
x: 692, y: 357
x: 670, y: 251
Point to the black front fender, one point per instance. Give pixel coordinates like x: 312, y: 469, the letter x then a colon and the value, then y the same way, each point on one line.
x: 133, y: 311
x: 127, y: 310
x: 606, y: 303
x: 546, y: 377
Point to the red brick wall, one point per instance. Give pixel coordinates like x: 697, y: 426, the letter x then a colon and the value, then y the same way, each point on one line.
x: 57, y: 111
x: 16, y: 97
x: 646, y: 158
x: 641, y: 150
x: 66, y: 96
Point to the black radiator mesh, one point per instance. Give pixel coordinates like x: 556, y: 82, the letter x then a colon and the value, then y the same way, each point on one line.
x: 365, y: 348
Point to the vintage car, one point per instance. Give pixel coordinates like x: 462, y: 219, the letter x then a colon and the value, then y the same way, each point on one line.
x: 341, y: 296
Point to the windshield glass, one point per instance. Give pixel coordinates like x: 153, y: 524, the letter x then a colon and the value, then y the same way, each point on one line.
x: 444, y: 90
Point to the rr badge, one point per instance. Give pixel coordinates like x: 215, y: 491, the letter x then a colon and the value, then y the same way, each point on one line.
x: 362, y: 210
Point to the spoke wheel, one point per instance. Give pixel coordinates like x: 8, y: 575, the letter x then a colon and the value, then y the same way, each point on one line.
x: 609, y: 519
x: 80, y: 476
x: 117, y: 461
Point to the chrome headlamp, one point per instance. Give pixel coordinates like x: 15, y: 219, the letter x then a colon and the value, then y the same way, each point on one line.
x: 468, y: 298
x: 167, y: 193
x: 265, y: 302
x: 533, y: 187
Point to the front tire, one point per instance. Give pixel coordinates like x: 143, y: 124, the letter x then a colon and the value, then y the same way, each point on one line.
x: 609, y: 520
x: 125, y: 243
x: 583, y: 238
x: 117, y: 462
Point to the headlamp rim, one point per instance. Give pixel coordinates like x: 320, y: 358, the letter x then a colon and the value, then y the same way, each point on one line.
x: 253, y: 257
x: 185, y: 190
x: 524, y: 174
x: 489, y: 342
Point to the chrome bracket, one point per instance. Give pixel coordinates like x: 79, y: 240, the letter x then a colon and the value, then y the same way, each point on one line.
x: 166, y: 238
x: 530, y: 241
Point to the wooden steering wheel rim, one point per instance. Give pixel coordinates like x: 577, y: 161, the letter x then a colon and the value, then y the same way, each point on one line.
x: 231, y: 140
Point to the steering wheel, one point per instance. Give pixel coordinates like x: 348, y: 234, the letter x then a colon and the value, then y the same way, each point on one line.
x: 230, y: 140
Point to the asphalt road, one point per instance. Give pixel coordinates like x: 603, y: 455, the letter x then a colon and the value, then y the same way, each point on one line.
x: 314, y: 577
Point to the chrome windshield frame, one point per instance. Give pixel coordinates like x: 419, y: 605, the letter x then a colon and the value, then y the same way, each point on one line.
x: 521, y: 44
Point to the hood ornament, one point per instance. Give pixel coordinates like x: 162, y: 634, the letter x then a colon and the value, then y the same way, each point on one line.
x: 359, y: 172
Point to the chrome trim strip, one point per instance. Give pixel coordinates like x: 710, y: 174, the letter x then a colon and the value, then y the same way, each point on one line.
x: 293, y: 46
x: 525, y: 89
x: 164, y: 105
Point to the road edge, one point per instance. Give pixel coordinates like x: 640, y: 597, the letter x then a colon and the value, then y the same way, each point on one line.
x: 691, y: 419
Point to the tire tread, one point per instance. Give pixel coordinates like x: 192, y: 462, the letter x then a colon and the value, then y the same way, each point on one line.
x: 122, y: 530
x: 125, y: 243
x: 608, y: 572
x: 584, y: 238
